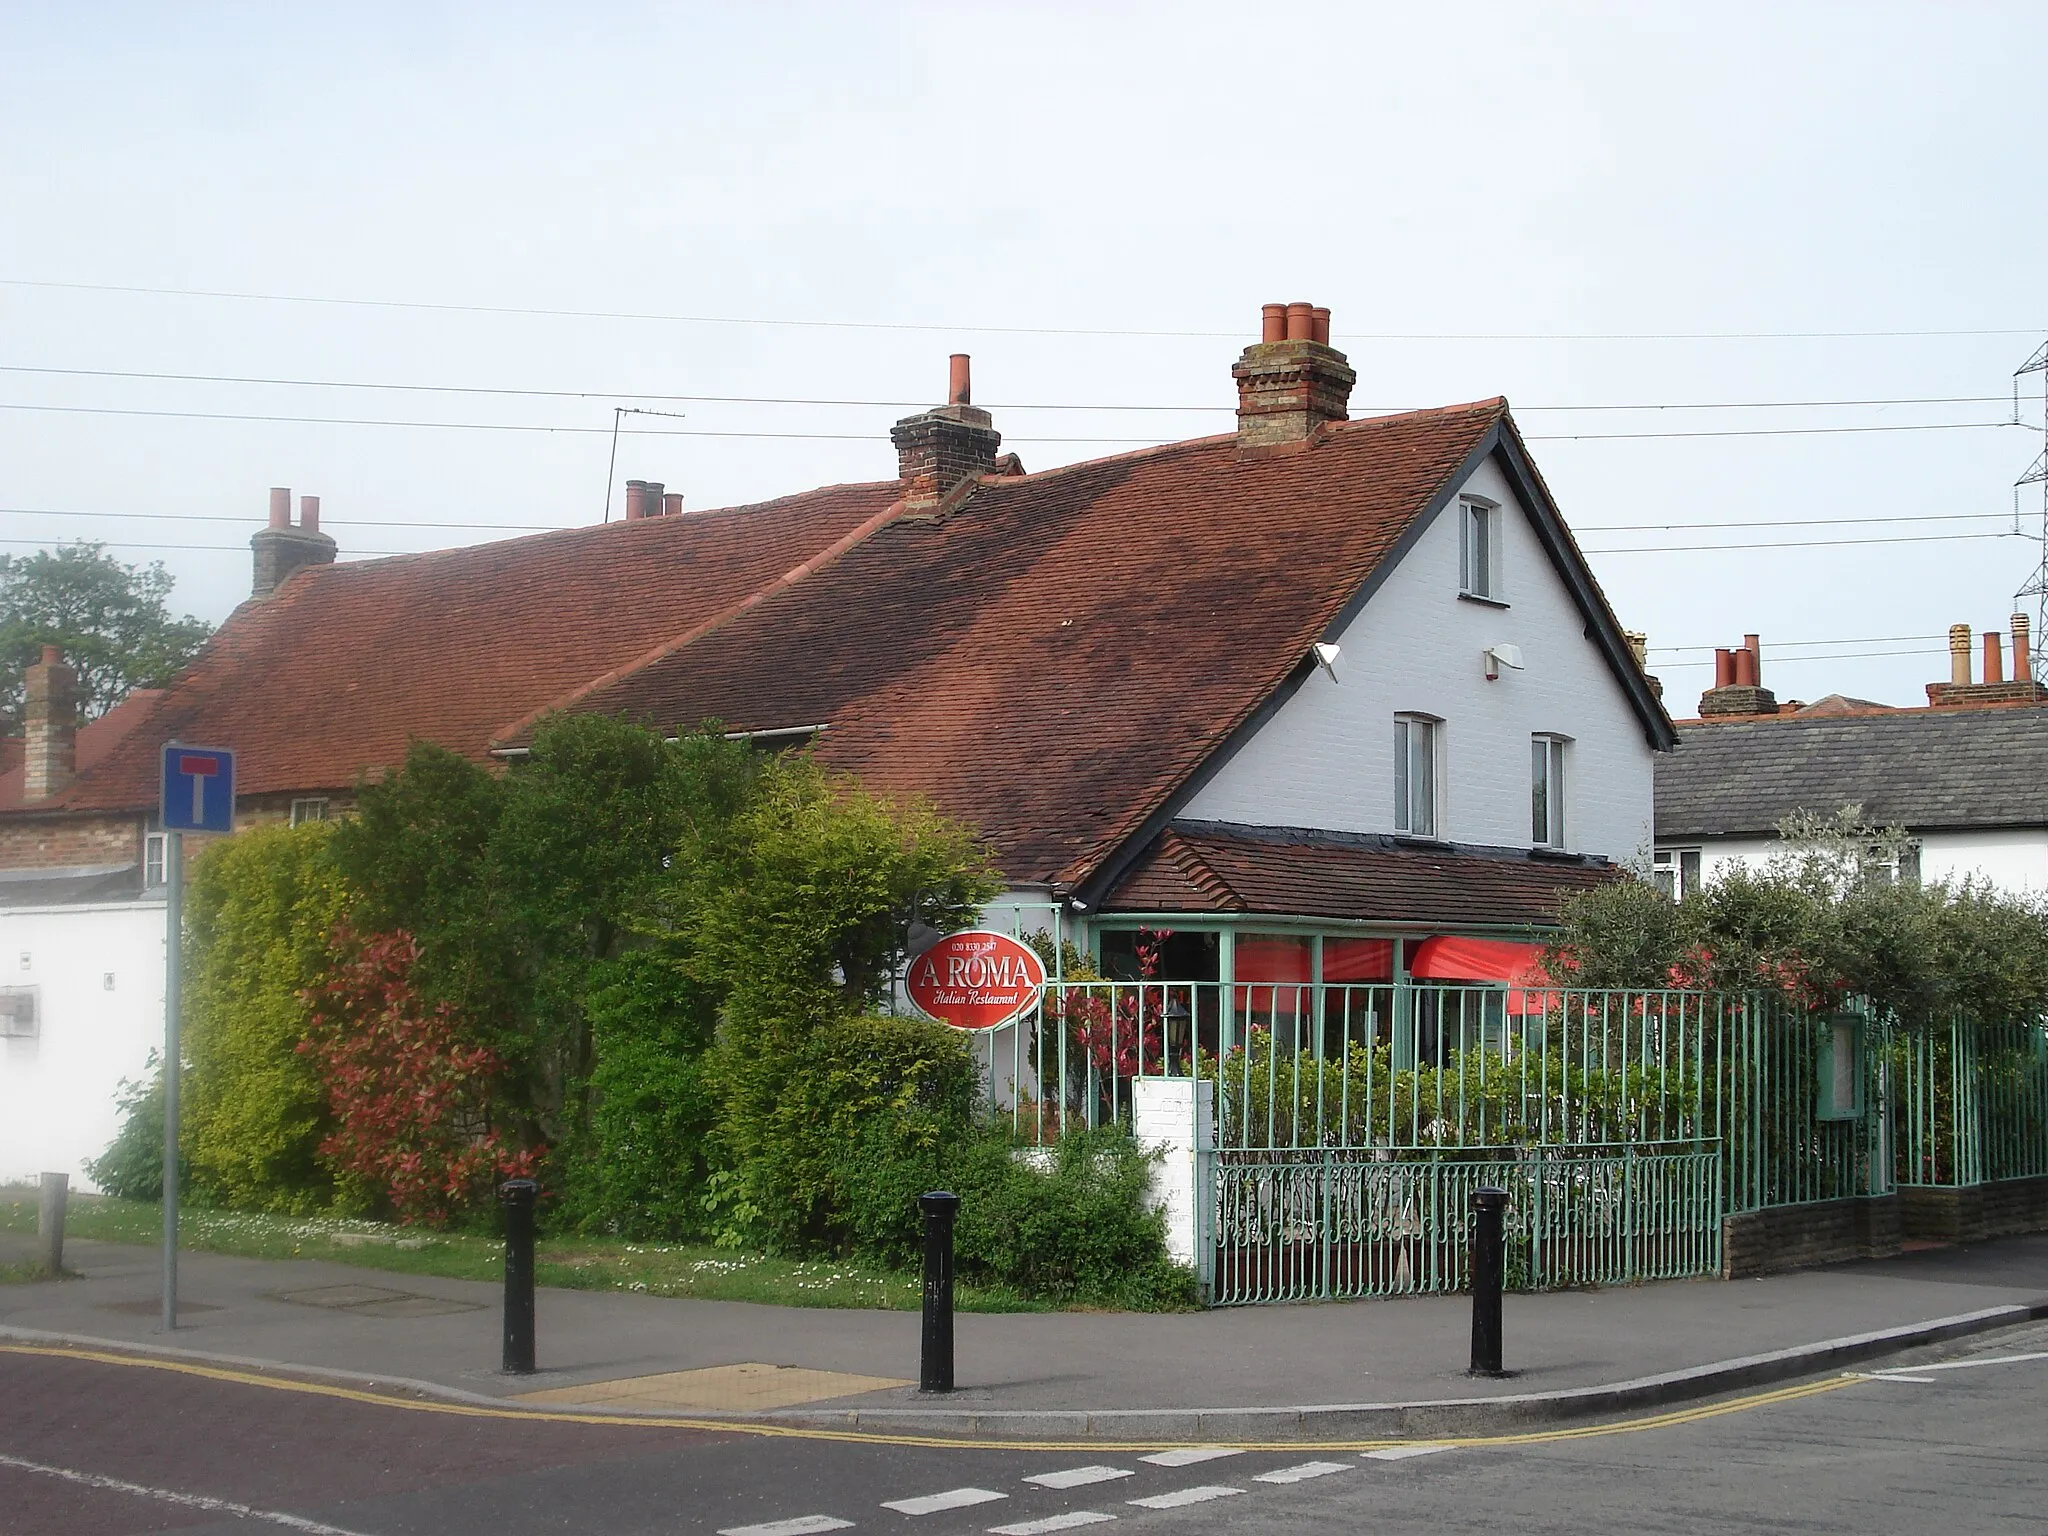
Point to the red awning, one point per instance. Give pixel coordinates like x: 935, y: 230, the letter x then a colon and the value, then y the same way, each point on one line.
x: 1452, y: 959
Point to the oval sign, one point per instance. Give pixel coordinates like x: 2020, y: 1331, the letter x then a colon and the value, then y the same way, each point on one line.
x: 976, y: 980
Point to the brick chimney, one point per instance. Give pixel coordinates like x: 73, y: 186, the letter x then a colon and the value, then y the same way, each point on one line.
x: 50, y: 755
x: 1639, y: 647
x: 1291, y: 380
x: 281, y: 549
x: 1738, y: 690
x: 937, y: 450
x: 1962, y: 691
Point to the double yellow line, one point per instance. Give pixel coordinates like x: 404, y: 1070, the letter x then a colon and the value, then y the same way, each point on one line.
x: 931, y: 1442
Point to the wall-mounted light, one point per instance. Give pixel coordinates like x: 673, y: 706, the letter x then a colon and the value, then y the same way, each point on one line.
x: 1494, y: 657
x: 1326, y: 653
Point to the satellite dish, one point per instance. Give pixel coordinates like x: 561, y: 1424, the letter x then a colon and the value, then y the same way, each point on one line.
x: 1326, y: 654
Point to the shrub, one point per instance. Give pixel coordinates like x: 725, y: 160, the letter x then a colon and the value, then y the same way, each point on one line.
x: 641, y: 1170
x: 409, y: 1091
x: 132, y: 1167
x: 1078, y: 1231
x: 260, y: 909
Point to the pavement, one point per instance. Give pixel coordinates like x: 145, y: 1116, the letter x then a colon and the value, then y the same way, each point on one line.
x: 1390, y: 1366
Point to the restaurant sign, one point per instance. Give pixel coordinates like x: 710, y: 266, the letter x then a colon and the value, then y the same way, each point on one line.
x: 976, y: 980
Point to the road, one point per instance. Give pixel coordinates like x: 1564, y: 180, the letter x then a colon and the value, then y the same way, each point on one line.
x: 1951, y: 1440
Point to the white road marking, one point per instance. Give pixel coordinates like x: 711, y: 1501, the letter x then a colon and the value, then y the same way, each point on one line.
x: 1920, y: 1381
x: 1304, y: 1472
x: 1188, y: 1456
x: 802, y: 1525
x: 952, y: 1498
x: 1964, y: 1365
x: 172, y: 1496
x: 1071, y: 1520
x: 1078, y: 1477
x: 1182, y: 1496
x: 1403, y: 1452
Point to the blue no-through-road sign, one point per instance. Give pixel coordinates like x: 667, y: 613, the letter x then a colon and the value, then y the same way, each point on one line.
x: 199, y: 789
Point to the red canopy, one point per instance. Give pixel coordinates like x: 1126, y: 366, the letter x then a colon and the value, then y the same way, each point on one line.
x: 1453, y: 959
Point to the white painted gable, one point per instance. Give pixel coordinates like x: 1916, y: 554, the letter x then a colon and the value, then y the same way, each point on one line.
x: 1326, y: 758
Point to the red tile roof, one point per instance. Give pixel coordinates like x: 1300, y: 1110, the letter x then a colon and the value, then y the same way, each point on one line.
x: 96, y: 738
x: 1052, y: 660
x: 336, y: 672
x: 1208, y: 868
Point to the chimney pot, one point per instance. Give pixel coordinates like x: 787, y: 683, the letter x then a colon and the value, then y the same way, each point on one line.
x: 1301, y: 323
x: 1319, y: 327
x: 636, y: 500
x: 53, y: 655
x: 672, y: 504
x: 959, y: 384
x: 1754, y: 646
x: 1745, y: 668
x: 1994, y: 656
x: 309, y: 513
x: 280, y: 506
x: 1724, y: 667
x: 1959, y: 655
x: 281, y: 549
x: 1273, y: 323
x: 2022, y: 649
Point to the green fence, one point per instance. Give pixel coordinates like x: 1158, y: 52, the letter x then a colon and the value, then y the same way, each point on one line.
x: 1969, y: 1103
x: 1350, y: 1124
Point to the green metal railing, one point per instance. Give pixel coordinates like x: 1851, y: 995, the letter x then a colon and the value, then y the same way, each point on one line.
x: 1969, y: 1103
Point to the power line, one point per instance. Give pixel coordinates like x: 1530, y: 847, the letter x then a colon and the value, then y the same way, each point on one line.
x: 218, y: 549
x: 222, y: 517
x: 1795, y: 522
x: 1781, y: 645
x: 1928, y: 538
x: 1786, y: 661
x: 867, y: 437
x: 263, y: 381
x: 998, y: 330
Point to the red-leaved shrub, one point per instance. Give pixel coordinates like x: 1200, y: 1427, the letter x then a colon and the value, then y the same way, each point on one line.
x: 410, y: 1096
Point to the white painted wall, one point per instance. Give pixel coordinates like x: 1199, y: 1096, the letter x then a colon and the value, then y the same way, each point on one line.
x: 2012, y: 859
x: 1326, y: 759
x: 58, y: 1091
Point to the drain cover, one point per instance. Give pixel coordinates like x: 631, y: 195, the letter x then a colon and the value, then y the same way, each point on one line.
x: 375, y: 1301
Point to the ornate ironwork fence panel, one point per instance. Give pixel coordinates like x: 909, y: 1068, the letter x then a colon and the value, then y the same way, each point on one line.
x: 1298, y: 1224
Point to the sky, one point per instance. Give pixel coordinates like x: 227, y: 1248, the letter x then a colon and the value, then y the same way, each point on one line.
x: 1677, y: 237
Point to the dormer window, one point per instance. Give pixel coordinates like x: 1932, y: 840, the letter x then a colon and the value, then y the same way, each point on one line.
x: 1479, y: 549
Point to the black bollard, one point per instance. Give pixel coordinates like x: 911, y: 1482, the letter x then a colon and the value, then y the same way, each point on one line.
x: 1488, y: 1261
x: 935, y: 1360
x: 518, y: 1196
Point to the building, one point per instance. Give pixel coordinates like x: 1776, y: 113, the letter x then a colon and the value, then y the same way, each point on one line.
x: 1963, y: 777
x: 1332, y: 700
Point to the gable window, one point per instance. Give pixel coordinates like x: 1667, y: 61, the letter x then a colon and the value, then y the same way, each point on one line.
x: 1677, y: 872
x: 1546, y: 790
x: 308, y: 810
x: 1418, y: 758
x: 1479, y: 549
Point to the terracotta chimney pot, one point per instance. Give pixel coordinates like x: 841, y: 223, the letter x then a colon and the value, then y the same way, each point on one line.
x: 1319, y: 326
x: 1745, y: 668
x: 309, y: 513
x: 959, y: 383
x: 672, y: 504
x: 1994, y: 656
x: 1724, y: 667
x: 636, y: 500
x: 1754, y: 646
x: 280, y: 506
x: 1301, y: 322
x: 1273, y: 323
x: 2022, y: 649
x: 1959, y: 655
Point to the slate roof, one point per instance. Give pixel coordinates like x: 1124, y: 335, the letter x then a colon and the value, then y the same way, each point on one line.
x: 1925, y: 770
x: 1212, y: 867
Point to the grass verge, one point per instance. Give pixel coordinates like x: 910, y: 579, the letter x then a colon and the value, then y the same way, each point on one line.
x: 584, y: 1264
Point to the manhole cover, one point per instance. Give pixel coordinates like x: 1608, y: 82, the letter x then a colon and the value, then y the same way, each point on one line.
x: 375, y: 1301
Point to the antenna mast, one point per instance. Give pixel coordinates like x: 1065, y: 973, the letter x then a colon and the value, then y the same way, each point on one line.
x: 2036, y: 585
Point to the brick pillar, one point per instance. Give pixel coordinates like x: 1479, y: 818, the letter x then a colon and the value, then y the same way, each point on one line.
x: 50, y: 755
x: 939, y: 448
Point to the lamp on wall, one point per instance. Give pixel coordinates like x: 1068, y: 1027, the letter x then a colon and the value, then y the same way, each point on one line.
x: 1326, y: 653
x: 1494, y: 657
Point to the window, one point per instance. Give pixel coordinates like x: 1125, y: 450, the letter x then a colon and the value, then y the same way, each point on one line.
x: 152, y: 860
x: 1416, y: 764
x: 1546, y: 791
x: 1888, y: 864
x: 1479, y: 549
x: 308, y: 810
x: 1677, y: 872
x: 18, y: 1013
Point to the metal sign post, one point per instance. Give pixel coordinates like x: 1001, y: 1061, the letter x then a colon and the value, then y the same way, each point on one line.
x: 198, y: 796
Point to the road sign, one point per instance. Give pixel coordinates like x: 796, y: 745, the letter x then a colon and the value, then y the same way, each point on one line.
x: 976, y: 980
x: 199, y: 789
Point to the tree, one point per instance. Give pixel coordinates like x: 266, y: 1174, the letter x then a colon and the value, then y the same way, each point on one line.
x: 110, y: 619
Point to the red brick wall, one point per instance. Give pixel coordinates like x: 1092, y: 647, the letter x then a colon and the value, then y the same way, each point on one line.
x: 55, y: 842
